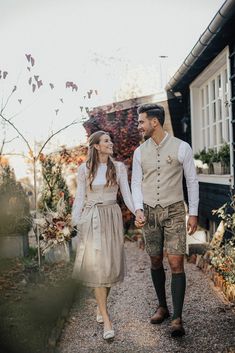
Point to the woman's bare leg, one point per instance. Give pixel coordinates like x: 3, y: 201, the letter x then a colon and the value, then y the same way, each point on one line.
x: 108, y: 291
x: 101, y: 295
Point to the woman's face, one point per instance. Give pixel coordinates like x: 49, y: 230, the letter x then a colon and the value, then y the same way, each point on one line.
x: 105, y: 145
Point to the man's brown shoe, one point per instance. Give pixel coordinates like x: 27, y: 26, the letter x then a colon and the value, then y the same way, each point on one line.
x: 160, y: 315
x: 177, y: 329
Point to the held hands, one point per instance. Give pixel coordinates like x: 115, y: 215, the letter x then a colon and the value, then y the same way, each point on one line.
x: 139, y: 219
x: 192, y: 224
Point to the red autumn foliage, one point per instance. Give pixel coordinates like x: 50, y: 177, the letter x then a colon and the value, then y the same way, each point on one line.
x: 122, y: 127
x: 76, y: 155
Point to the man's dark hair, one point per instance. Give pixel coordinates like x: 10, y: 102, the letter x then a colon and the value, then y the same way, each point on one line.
x: 153, y: 111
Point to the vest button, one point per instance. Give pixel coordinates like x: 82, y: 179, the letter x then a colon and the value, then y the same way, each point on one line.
x: 158, y: 167
x: 158, y: 161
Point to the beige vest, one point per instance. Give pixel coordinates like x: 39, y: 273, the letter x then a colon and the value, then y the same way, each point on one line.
x: 162, y: 172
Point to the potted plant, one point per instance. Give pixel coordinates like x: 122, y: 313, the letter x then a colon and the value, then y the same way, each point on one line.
x: 224, y: 154
x: 14, y: 215
x: 216, y: 161
x: 206, y: 158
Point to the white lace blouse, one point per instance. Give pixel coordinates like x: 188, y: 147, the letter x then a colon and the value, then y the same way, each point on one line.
x: 100, y: 179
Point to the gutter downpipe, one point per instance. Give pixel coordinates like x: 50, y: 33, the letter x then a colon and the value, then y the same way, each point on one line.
x: 221, y: 17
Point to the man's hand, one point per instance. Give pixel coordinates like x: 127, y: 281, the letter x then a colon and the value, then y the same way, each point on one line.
x: 139, y: 219
x: 192, y: 224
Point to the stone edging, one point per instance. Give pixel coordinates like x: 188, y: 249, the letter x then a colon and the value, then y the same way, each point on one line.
x: 227, y: 288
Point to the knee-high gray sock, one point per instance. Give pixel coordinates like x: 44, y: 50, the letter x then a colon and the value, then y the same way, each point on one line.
x: 178, y: 285
x: 159, y: 279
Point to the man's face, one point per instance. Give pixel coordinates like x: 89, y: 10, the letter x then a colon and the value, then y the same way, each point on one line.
x: 145, y: 125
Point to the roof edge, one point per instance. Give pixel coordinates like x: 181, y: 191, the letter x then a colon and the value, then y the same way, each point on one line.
x: 220, y: 18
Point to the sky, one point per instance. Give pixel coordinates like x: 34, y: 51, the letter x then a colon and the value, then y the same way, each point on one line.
x: 111, y: 46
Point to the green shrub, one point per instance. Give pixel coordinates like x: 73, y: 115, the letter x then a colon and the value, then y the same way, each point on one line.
x: 14, y: 204
x: 223, y: 257
x: 54, y: 186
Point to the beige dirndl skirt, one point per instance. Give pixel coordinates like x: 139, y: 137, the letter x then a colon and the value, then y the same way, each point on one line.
x: 105, y: 265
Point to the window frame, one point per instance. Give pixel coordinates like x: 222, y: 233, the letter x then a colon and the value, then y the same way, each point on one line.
x: 204, y: 126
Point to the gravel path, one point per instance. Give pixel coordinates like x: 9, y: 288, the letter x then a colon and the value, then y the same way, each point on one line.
x: 209, y: 319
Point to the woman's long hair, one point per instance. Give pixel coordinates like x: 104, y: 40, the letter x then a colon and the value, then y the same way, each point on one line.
x: 93, y: 161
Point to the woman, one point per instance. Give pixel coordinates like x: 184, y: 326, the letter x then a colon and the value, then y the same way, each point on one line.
x: 100, y: 259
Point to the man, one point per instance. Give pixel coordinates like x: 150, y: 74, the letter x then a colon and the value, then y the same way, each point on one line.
x: 158, y: 167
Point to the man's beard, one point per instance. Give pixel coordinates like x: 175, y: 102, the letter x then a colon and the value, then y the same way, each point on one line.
x: 148, y: 134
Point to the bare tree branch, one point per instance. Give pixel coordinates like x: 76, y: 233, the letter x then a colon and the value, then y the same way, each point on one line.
x: 15, y: 128
x: 23, y: 109
x: 1, y: 149
x: 16, y: 154
x: 55, y: 133
x: 4, y: 142
x: 16, y: 114
x: 9, y: 97
x: 14, y: 138
x: 2, y: 103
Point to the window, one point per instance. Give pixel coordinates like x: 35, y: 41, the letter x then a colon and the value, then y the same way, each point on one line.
x: 214, y: 112
x: 211, y: 112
